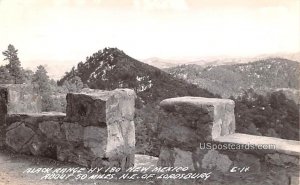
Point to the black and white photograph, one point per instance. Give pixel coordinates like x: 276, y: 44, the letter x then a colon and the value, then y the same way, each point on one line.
x: 149, y: 92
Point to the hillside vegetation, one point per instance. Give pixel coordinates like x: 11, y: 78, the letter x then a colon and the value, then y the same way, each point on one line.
x: 232, y: 80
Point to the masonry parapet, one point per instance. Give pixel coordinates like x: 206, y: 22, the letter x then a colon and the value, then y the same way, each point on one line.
x: 199, y: 133
x: 97, y: 130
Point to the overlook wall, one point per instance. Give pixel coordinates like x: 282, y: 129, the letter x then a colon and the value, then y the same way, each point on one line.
x: 97, y: 130
x: 189, y: 128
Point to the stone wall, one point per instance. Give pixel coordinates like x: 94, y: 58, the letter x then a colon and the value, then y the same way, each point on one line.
x: 97, y: 130
x: 19, y: 98
x: 204, y: 118
x: 189, y: 128
x: 16, y: 99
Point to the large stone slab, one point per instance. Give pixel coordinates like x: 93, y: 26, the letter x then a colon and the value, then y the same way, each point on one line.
x: 19, y: 98
x: 99, y: 108
x: 95, y: 138
x: 186, y: 121
x: 18, y: 136
x: 263, y: 143
x: 214, y: 160
x: 51, y: 129
x: 175, y: 157
x: 104, y: 120
x: 73, y: 132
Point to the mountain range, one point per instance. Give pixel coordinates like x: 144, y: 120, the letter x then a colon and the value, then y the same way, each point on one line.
x: 163, y: 63
x: 231, y: 80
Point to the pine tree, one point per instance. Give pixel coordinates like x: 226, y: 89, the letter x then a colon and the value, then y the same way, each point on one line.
x: 5, y: 77
x: 41, y: 83
x: 14, y: 65
x: 74, y: 84
x: 28, y: 75
x: 41, y: 79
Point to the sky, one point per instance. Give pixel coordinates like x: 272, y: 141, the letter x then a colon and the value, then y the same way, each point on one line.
x: 64, y: 32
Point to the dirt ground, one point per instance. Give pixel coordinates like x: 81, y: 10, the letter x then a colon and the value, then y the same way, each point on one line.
x: 12, y: 167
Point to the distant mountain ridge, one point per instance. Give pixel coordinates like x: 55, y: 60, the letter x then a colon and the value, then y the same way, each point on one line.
x: 163, y: 63
x: 111, y: 68
x: 231, y: 80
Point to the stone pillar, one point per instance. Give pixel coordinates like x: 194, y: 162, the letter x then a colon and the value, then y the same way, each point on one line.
x: 20, y: 98
x: 16, y: 98
x: 103, y: 121
x: 186, y: 122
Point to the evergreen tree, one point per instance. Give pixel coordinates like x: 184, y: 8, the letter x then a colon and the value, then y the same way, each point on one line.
x: 28, y: 75
x: 5, y: 77
x: 272, y: 114
x: 41, y: 80
x: 14, y: 65
x: 42, y: 85
x: 75, y: 84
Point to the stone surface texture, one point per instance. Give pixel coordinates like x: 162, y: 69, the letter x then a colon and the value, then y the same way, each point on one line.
x: 187, y: 123
x: 289, y: 147
x: 98, y: 129
x: 195, y: 119
x: 19, y: 98
x: 16, y: 98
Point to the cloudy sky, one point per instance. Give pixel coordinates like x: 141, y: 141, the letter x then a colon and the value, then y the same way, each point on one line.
x: 66, y: 31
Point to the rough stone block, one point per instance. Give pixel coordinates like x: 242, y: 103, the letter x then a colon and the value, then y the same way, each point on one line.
x: 166, y: 157
x: 18, y: 136
x: 41, y: 146
x: 197, y: 160
x: 95, y: 138
x: 176, y: 157
x: 186, y: 121
x: 35, y: 133
x: 86, y: 109
x: 247, y: 160
x: 214, y: 160
x: 78, y: 155
x: 282, y: 159
x: 183, y: 159
x: 100, y: 108
x: 73, y: 132
x: 51, y: 129
x: 19, y: 98
x: 103, y: 121
x: 289, y: 147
